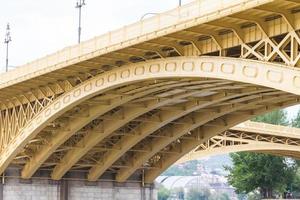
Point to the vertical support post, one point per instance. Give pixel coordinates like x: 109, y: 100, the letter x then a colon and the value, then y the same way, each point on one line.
x: 7, y: 40
x: 2, y: 187
x: 6, y: 61
x: 79, y: 5
x: 143, y: 193
x: 223, y: 52
x: 151, y: 192
x: 79, y: 25
x: 1, y: 190
x: 294, y: 47
x: 64, y: 190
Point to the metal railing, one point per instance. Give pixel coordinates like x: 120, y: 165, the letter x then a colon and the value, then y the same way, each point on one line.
x: 143, y: 30
x: 265, y: 128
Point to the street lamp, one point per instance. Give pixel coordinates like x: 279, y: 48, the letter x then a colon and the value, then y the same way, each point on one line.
x: 151, y: 13
x: 154, y: 13
x: 79, y: 5
x: 7, y: 40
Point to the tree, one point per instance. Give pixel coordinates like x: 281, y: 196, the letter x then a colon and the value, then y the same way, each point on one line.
x: 198, y: 194
x: 295, y: 185
x: 186, y: 169
x: 296, y: 121
x: 277, y: 117
x: 163, y: 193
x: 254, y: 171
x: 262, y: 172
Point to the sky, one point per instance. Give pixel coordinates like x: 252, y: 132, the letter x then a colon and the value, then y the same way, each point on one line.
x: 42, y: 27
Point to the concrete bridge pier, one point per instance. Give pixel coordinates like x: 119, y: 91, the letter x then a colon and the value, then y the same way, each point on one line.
x: 1, y: 189
x: 64, y: 190
x: 13, y: 189
x: 72, y: 187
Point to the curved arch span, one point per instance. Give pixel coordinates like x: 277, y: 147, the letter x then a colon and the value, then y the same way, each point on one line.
x: 206, y: 131
x: 253, y: 72
x: 251, y: 147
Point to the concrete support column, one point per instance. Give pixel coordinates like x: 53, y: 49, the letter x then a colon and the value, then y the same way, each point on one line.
x: 2, y: 187
x: 223, y: 52
x: 151, y: 191
x: 143, y: 193
x: 64, y: 190
x: 1, y: 190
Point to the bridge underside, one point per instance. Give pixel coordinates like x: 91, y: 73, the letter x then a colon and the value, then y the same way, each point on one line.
x: 141, y: 107
x: 144, y: 117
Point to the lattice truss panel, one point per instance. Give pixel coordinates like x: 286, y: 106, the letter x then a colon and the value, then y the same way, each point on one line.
x: 235, y: 141
x: 13, y: 119
x: 284, y: 48
x: 17, y: 111
x: 233, y: 138
x: 146, y: 126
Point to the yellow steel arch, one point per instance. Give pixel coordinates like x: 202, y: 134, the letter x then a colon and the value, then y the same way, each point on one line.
x: 253, y: 147
x: 93, y: 138
x: 95, y: 111
x: 250, y: 136
x: 209, y: 130
x: 254, y: 72
x: 178, y: 131
x: 146, y: 129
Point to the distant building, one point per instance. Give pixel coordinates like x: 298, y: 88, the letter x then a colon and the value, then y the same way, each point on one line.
x: 214, y: 183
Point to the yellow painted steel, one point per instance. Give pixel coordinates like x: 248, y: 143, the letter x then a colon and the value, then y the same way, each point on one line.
x: 143, y: 96
x: 249, y: 136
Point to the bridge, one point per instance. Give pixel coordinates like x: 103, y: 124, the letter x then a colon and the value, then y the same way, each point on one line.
x: 251, y: 137
x: 130, y: 103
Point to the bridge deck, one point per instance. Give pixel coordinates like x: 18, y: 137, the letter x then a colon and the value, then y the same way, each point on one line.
x: 268, y: 129
x: 144, y: 37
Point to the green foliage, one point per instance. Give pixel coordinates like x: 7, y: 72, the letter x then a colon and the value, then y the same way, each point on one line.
x: 252, y: 171
x: 188, y: 170
x: 296, y: 121
x: 277, y: 117
x: 205, y: 194
x: 254, y: 196
x: 295, y: 184
x: 261, y: 172
x: 224, y: 196
x: 198, y: 194
x: 163, y: 193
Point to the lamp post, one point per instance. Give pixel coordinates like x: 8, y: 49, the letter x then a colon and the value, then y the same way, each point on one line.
x: 79, y: 5
x: 7, y: 40
x: 154, y: 13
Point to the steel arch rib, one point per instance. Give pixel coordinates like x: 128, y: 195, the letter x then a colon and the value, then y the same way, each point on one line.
x: 151, y: 126
x: 94, y: 111
x: 258, y: 73
x: 107, y: 128
x: 207, y: 132
x: 292, y: 154
x: 93, y: 137
x: 252, y: 146
x: 179, y: 130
